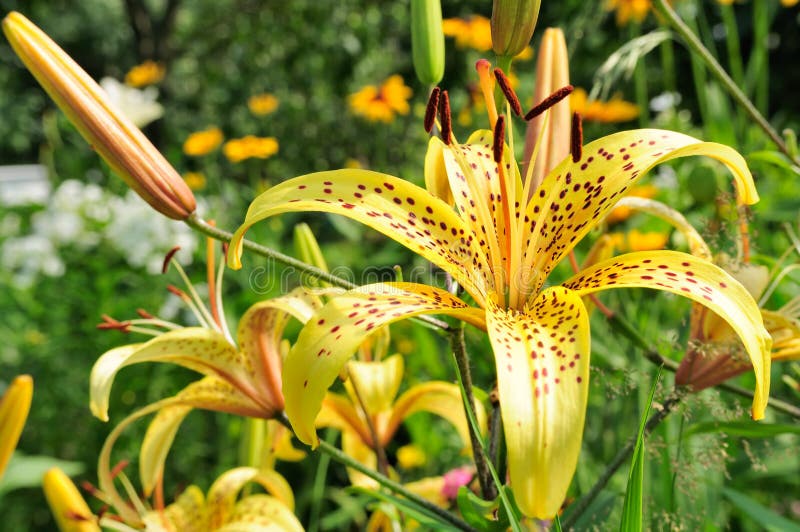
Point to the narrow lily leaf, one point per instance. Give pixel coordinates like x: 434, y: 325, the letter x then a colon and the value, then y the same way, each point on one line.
x: 743, y: 429
x: 209, y: 393
x: 479, y: 513
x: 632, y: 507
x: 763, y: 516
x: 542, y: 359
x: 442, y: 399
x: 420, y: 514
x: 699, y: 281
x: 576, y: 196
x: 224, y: 491
x: 261, y: 512
x: 332, y: 336
x: 397, y: 208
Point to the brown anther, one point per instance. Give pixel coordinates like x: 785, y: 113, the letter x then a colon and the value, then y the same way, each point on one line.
x: 89, y: 488
x: 168, y: 258
x: 117, y: 469
x: 508, y: 92
x: 430, y: 110
x: 110, y: 323
x: 144, y: 314
x: 549, y: 102
x: 576, y: 144
x: 444, y: 115
x: 225, y: 249
x: 177, y: 291
x: 75, y: 516
x: 499, y: 138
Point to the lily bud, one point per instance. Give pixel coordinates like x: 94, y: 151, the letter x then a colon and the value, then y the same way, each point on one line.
x: 308, y: 250
x: 427, y: 40
x: 121, y: 144
x: 14, y: 407
x: 513, y: 22
x: 69, y: 509
x: 552, y: 74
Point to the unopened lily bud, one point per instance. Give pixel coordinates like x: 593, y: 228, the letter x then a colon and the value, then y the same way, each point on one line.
x: 14, y: 407
x: 513, y: 22
x: 427, y: 40
x: 553, y: 134
x: 121, y: 144
x: 69, y: 509
x: 308, y: 250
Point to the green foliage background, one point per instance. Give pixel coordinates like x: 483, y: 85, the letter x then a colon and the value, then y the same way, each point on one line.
x: 312, y: 55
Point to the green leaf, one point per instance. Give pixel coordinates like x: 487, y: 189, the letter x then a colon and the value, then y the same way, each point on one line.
x: 26, y: 471
x: 420, y: 514
x: 774, y: 158
x: 632, y: 507
x: 479, y: 513
x: 762, y: 515
x: 745, y: 429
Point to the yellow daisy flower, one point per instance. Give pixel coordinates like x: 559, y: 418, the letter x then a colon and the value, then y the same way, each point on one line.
x: 614, y: 110
x: 147, y: 73
x: 202, y: 142
x: 237, y: 150
x: 262, y: 104
x: 382, y: 104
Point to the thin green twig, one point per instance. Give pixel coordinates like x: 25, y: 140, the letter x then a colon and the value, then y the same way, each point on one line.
x: 694, y: 44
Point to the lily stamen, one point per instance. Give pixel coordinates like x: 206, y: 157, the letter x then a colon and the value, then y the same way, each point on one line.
x: 576, y: 138
x: 499, y: 139
x: 444, y: 113
x: 487, y: 88
x: 430, y: 110
x: 549, y: 102
x: 508, y: 91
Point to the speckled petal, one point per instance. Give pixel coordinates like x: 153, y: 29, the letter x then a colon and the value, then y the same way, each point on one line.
x: 209, y: 393
x: 700, y: 281
x: 185, y: 514
x: 261, y: 513
x: 542, y: 360
x: 224, y: 491
x: 400, y: 210
x: 576, y: 196
x: 332, y: 336
x: 198, y: 349
x: 260, y: 334
x: 436, y: 397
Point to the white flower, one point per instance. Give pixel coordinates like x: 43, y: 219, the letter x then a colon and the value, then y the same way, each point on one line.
x: 138, y: 105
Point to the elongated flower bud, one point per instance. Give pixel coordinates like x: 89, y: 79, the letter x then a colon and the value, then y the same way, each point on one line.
x: 553, y: 134
x: 121, y: 144
x: 69, y: 509
x: 513, y: 22
x: 427, y: 40
x: 14, y: 407
x: 308, y: 250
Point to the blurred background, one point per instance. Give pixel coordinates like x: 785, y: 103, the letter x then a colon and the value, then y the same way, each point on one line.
x: 242, y: 94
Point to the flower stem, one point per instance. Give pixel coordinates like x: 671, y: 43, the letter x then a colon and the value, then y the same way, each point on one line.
x: 691, y: 40
x: 621, y: 457
x: 388, y: 483
x: 195, y: 222
x: 488, y: 489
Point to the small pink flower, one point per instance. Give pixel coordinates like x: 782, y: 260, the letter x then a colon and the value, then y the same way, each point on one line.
x: 456, y: 478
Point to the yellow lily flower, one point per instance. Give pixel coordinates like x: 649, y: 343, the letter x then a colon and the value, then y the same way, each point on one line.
x: 14, y: 407
x: 501, y: 248
x: 371, y: 405
x: 242, y: 377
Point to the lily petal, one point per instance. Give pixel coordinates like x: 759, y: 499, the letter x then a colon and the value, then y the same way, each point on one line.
x: 260, y: 334
x: 576, y: 196
x: 209, y: 393
x: 186, y: 513
x: 542, y: 359
x: 436, y: 397
x: 333, y: 335
x: 261, y: 513
x: 400, y: 210
x: 14, y: 407
x: 700, y: 281
x: 224, y: 491
x: 196, y: 348
x: 376, y: 382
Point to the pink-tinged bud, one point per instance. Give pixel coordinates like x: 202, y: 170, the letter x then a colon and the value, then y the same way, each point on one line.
x: 121, y: 144
x: 552, y: 78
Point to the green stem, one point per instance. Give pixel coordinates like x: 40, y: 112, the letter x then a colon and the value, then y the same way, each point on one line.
x: 761, y: 54
x: 318, y: 489
x: 195, y: 222
x: 640, y: 83
x: 391, y: 485
x: 732, y: 44
x: 462, y: 362
x: 697, y: 47
x: 621, y: 457
x: 668, y: 65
